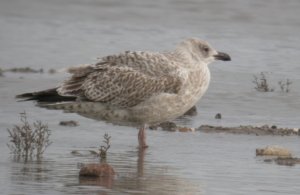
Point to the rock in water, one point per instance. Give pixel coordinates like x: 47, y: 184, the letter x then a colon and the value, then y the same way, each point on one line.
x: 97, y: 170
x: 70, y: 123
x: 218, y: 116
x: 273, y: 151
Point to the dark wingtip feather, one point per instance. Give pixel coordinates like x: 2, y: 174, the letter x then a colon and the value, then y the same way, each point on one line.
x: 24, y: 95
x: 49, y: 95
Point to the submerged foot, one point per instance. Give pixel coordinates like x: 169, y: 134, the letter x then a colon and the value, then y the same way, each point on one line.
x: 143, y: 147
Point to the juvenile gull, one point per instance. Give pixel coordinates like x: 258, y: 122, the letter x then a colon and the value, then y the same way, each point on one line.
x: 135, y: 88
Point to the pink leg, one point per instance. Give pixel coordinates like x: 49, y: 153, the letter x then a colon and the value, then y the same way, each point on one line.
x: 142, y: 138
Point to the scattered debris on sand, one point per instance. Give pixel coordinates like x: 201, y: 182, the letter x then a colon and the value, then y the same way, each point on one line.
x: 171, y: 126
x: 69, y: 123
x: 97, y: 170
x: 248, y: 130
x: 24, y: 70
x: 263, y: 130
x: 273, y: 151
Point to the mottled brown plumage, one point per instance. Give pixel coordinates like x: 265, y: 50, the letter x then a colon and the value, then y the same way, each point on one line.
x: 123, y: 80
x: 137, y: 88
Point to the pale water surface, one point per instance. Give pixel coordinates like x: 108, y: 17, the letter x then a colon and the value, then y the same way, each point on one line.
x: 259, y: 36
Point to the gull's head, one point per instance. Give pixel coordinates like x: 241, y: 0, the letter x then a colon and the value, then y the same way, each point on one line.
x: 200, y: 51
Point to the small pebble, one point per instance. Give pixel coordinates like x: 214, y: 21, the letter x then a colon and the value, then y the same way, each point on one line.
x: 75, y: 152
x: 70, y: 123
x: 185, y: 129
x: 218, y: 116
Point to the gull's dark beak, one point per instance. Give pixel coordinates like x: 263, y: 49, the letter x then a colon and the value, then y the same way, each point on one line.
x: 222, y: 56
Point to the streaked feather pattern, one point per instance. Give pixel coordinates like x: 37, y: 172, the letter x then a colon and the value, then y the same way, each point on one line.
x: 135, y: 88
x: 123, y: 80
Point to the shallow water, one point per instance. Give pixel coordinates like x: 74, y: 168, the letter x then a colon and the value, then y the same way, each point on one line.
x: 260, y: 36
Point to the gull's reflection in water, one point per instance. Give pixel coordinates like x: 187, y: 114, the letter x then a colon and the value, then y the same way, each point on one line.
x: 123, y: 183
x: 135, y: 175
x: 106, y: 182
x: 142, y: 178
x: 140, y: 162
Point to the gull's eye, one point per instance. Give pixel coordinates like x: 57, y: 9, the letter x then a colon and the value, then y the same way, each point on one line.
x: 205, y: 49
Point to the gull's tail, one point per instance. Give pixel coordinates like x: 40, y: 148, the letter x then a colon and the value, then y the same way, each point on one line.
x: 50, y: 99
x: 47, y: 96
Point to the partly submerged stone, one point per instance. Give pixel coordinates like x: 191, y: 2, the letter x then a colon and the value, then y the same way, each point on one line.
x: 76, y: 153
x: 97, y: 170
x: 273, y: 151
x: 218, y: 116
x: 25, y: 70
x: 69, y: 123
x: 288, y: 161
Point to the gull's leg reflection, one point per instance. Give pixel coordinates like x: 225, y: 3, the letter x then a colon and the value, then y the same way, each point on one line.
x: 140, y: 163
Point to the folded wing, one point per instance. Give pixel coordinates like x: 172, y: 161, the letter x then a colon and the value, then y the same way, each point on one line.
x: 123, y: 81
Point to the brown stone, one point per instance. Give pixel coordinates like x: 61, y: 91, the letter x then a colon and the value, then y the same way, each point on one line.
x: 97, y: 170
x: 185, y: 129
x: 70, y: 123
x: 273, y: 151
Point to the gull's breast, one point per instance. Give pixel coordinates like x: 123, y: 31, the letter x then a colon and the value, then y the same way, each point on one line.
x: 167, y: 106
